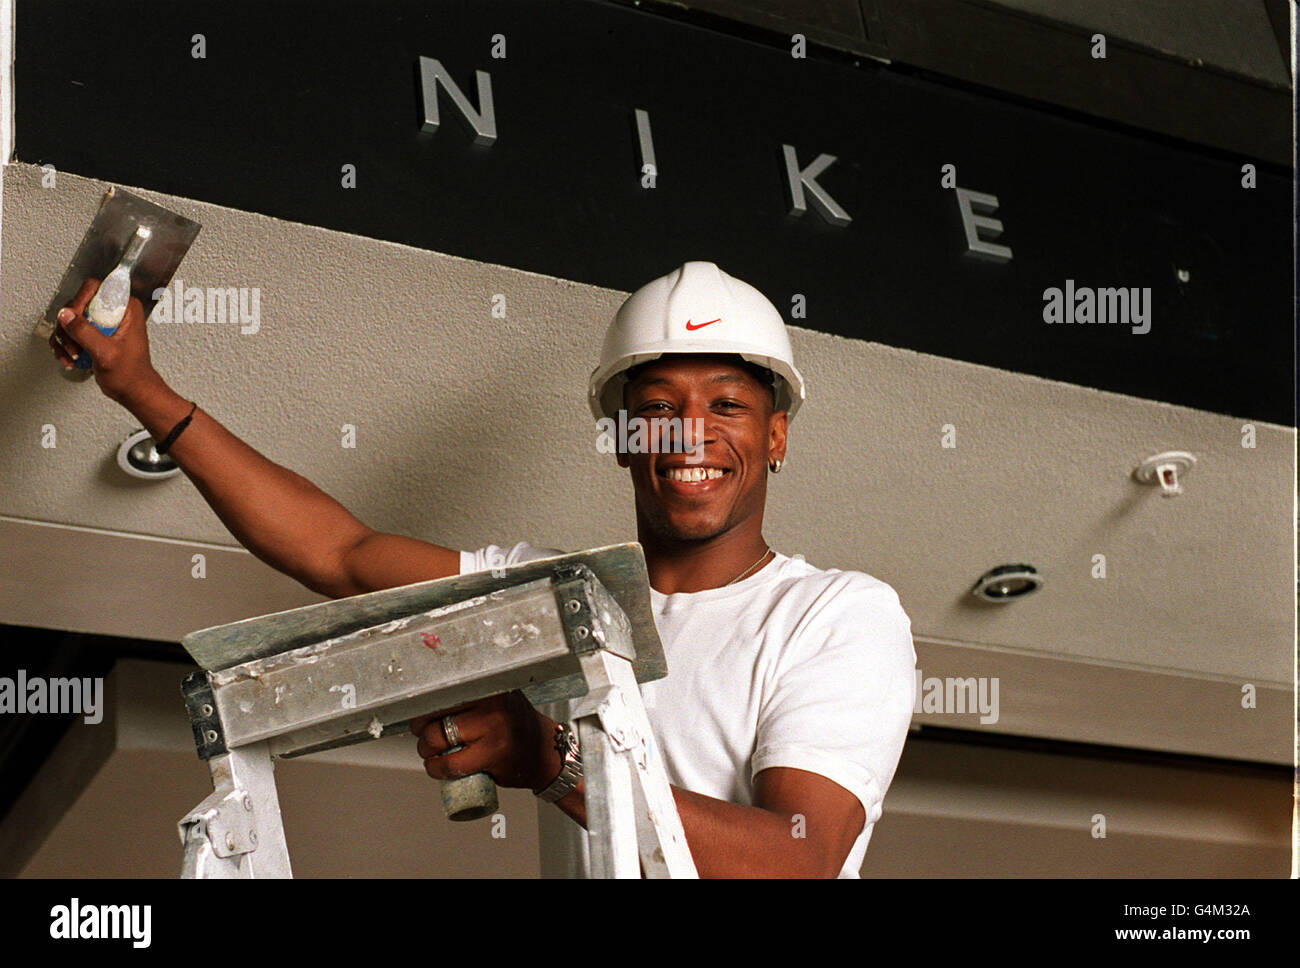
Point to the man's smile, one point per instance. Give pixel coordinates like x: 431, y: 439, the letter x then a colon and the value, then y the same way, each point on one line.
x: 694, y: 479
x: 690, y: 475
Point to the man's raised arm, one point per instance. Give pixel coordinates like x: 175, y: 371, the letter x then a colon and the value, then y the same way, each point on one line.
x: 278, y: 515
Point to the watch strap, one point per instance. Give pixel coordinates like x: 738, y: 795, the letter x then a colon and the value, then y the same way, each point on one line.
x: 570, y: 769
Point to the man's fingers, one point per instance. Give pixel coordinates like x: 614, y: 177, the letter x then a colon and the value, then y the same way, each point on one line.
x: 482, y: 729
x: 65, y: 342
x: 60, y: 345
x: 75, y: 325
x: 135, y: 309
x: 73, y: 333
x: 470, y: 726
x: 82, y: 299
x: 453, y: 766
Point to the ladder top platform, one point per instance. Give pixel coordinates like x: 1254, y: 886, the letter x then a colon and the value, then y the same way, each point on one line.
x: 620, y: 569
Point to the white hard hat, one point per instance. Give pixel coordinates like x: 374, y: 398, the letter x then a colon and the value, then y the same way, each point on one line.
x: 695, y: 309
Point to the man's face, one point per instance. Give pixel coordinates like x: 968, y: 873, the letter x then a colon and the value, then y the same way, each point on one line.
x: 741, y: 433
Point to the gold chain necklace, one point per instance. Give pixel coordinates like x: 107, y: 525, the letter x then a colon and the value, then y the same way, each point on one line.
x: 766, y: 551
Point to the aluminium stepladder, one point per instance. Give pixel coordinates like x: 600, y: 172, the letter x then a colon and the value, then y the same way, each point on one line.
x: 575, y: 627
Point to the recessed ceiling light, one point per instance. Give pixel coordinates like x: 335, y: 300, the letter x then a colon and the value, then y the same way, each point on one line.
x: 139, y: 457
x: 1006, y: 583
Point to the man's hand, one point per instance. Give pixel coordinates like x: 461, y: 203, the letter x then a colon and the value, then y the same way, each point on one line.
x: 801, y: 823
x: 121, y: 361
x: 503, y: 736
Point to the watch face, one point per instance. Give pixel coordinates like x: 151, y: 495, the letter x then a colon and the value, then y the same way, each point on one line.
x: 566, y: 741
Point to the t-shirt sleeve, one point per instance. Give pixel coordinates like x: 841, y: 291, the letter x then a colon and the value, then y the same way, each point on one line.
x: 501, y: 556
x: 842, y: 699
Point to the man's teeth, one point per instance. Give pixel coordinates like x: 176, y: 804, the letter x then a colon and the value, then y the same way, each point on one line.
x: 692, y: 475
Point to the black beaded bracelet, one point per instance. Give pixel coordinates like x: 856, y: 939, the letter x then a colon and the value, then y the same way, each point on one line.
x: 176, y: 431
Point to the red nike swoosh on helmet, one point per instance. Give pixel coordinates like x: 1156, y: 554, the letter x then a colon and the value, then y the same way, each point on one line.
x: 690, y: 325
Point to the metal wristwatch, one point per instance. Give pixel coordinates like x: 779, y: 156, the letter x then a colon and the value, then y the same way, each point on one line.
x: 566, y: 744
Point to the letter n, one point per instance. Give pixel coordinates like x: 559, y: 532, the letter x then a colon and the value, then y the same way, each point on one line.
x: 483, y: 122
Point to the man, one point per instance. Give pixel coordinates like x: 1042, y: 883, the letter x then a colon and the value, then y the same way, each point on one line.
x: 790, y: 688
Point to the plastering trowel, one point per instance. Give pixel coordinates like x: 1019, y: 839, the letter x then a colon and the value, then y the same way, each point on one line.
x: 135, y: 247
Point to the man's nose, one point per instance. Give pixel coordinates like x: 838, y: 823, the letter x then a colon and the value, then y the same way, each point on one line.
x: 698, y: 428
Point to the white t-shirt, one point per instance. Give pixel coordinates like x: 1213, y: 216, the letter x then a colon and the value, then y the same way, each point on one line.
x: 795, y: 666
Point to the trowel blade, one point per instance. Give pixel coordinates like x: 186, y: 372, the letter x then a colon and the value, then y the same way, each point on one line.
x: 101, y: 248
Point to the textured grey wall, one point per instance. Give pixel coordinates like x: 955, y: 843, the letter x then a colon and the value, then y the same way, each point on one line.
x: 472, y: 429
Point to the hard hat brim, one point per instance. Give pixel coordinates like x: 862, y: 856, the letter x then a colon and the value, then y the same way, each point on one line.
x: 605, y: 389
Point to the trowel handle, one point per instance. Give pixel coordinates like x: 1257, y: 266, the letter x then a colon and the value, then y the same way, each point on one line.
x: 470, y: 797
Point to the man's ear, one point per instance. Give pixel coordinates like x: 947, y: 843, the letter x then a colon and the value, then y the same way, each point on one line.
x: 778, y: 427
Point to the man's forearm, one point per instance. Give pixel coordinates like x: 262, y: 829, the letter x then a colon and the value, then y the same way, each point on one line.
x: 731, y: 840
x: 280, y: 516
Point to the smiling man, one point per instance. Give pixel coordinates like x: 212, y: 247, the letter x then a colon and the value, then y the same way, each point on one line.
x: 790, y: 688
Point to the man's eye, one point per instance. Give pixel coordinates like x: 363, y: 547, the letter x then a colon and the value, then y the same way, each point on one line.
x: 653, y: 405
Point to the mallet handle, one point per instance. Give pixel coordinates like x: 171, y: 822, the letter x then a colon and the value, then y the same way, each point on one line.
x: 469, y: 797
